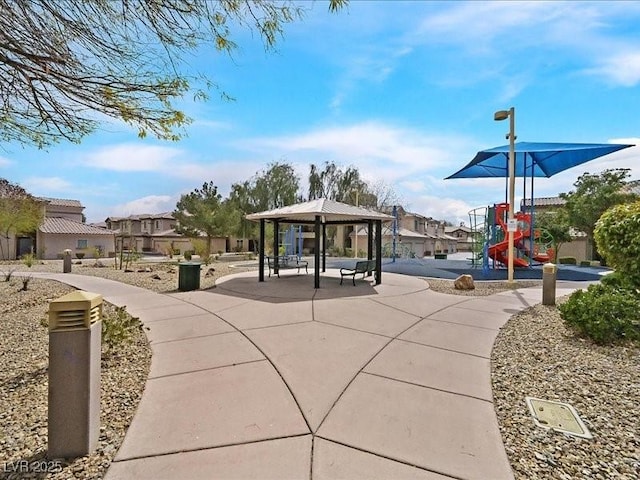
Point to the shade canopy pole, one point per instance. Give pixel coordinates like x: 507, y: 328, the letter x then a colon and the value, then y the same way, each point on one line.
x: 378, y: 274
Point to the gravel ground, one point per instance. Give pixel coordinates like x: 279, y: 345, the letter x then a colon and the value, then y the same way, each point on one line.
x: 548, y: 361
x: 536, y: 355
x: 24, y: 343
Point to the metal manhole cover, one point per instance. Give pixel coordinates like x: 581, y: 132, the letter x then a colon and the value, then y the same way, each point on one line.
x: 557, y: 416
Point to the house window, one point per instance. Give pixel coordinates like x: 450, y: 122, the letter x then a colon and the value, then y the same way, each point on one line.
x: 157, y: 224
x: 82, y: 243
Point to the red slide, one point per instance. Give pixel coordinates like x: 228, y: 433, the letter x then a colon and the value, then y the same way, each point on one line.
x: 499, y: 252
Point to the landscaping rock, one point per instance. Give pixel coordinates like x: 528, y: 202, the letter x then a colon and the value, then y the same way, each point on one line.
x: 464, y: 282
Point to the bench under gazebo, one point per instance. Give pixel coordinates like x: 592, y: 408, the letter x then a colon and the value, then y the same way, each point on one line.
x: 320, y: 213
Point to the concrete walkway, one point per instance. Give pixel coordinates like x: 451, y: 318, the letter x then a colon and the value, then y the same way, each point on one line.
x: 277, y: 380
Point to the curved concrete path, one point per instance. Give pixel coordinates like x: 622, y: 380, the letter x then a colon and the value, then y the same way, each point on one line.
x: 278, y: 380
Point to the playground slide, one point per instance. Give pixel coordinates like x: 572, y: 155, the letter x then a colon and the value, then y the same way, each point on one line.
x: 499, y: 252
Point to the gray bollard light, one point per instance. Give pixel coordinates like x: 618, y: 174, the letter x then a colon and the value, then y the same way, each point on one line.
x: 75, y: 322
x: 66, y: 261
x: 549, y: 274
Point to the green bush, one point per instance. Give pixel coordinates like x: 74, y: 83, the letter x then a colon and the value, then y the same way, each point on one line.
x: 187, y: 255
x: 567, y: 260
x: 585, y: 263
x: 604, y: 312
x: 29, y: 259
x: 617, y: 236
x: 118, y: 328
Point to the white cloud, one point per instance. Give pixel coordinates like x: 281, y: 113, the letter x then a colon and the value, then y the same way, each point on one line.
x: 412, y: 185
x: 455, y: 210
x: 4, y: 162
x: 161, y: 160
x: 132, y: 158
x: 148, y: 204
x: 45, y: 185
x: 622, y: 69
x: 390, y: 152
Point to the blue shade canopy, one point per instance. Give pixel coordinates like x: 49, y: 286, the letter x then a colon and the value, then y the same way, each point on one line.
x: 534, y: 159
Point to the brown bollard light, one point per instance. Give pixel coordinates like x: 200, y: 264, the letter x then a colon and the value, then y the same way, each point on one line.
x: 549, y: 274
x: 75, y: 323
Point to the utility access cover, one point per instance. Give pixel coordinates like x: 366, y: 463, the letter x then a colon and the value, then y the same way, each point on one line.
x: 557, y: 416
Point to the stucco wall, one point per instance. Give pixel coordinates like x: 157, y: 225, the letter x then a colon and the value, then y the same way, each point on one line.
x: 578, y: 248
x: 54, y: 243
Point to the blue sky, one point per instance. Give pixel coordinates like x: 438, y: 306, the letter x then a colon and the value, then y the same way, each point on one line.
x: 405, y: 91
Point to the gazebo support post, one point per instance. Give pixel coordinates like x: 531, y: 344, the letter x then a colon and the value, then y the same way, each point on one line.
x: 369, y: 242
x: 276, y: 253
x: 261, y: 258
x: 378, y: 274
x: 324, y: 247
x: 316, y: 253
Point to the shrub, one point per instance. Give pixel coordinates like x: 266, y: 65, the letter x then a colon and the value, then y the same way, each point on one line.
x: 603, y: 312
x: 617, y: 236
x: 97, y: 252
x: 29, y: 259
x: 567, y: 260
x: 187, y: 255
x: 79, y: 255
x: 585, y: 263
x: 118, y: 327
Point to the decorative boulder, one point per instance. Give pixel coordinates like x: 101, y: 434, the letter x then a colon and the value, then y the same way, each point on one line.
x: 464, y: 282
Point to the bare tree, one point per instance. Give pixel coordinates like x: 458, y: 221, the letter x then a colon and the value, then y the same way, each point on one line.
x: 66, y: 64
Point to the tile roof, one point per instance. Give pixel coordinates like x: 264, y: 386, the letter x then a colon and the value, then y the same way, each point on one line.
x: 65, y: 226
x: 61, y: 202
x: 463, y: 228
x: 166, y: 233
x: 543, y: 202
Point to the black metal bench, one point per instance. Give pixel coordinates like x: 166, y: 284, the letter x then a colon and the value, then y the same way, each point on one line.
x: 364, y: 267
x: 287, y: 262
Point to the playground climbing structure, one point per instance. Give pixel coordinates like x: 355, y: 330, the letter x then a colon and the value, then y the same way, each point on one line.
x: 491, y: 241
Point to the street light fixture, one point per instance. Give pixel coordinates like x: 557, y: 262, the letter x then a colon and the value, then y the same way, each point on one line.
x: 499, y: 116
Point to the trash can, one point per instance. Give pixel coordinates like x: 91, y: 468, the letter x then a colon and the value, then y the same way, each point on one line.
x: 189, y: 276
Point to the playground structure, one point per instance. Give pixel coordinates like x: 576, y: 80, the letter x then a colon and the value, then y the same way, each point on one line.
x: 490, y: 239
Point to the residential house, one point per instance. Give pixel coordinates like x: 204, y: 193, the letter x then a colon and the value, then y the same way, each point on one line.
x: 463, y: 236
x: 155, y: 234
x: 579, y: 247
x: 62, y: 228
x: 417, y: 236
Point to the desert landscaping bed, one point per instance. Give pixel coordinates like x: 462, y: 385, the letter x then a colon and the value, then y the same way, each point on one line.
x: 24, y: 340
x: 534, y: 355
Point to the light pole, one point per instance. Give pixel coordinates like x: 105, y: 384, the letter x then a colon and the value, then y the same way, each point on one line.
x: 498, y: 116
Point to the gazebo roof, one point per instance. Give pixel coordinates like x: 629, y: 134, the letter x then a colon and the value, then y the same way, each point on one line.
x: 331, y: 211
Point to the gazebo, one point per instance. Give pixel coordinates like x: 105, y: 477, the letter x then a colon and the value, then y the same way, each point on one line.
x: 320, y: 213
